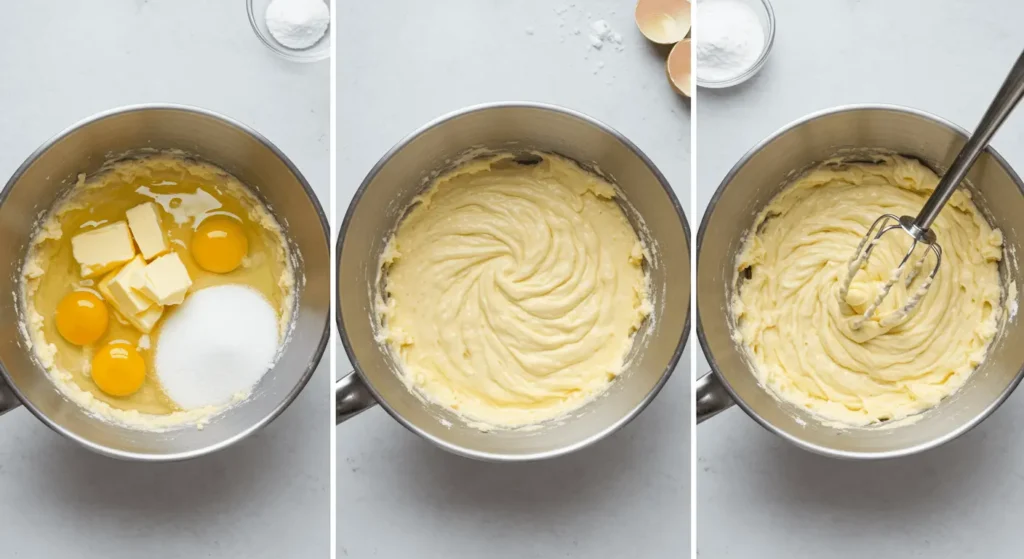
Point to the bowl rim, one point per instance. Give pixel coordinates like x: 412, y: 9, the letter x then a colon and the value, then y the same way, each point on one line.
x: 702, y: 335
x: 315, y: 358
x: 497, y: 456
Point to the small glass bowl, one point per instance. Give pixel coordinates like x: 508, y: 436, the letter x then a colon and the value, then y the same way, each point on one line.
x: 257, y: 18
x: 764, y: 11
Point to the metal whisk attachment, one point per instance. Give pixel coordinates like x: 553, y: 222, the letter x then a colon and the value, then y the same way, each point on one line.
x: 880, y: 227
x: 918, y: 227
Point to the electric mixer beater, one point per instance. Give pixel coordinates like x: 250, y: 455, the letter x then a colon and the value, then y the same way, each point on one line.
x: 918, y: 228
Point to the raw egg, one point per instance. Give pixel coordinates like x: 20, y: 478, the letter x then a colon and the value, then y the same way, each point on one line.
x: 219, y: 244
x: 82, y: 317
x: 118, y: 369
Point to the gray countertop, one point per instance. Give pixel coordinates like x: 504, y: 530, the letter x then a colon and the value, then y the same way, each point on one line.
x: 757, y: 496
x: 266, y: 497
x: 401, y: 64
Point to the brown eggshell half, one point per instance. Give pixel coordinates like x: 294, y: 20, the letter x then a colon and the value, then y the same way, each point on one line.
x: 665, y: 22
x: 678, y: 67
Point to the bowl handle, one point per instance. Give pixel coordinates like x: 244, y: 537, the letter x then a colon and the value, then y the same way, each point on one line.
x: 712, y: 397
x: 353, y: 397
x: 8, y: 401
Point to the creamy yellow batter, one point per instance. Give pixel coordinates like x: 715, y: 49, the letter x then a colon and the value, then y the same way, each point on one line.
x: 513, y: 291
x: 186, y: 190
x: 802, y: 339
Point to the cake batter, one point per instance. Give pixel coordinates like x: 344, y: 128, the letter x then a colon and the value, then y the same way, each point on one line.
x: 802, y: 338
x: 514, y: 290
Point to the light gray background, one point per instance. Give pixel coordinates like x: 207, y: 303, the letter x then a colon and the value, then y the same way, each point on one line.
x: 270, y: 495
x: 757, y: 496
x: 401, y: 64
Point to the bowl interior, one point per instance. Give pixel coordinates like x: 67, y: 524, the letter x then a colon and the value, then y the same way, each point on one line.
x: 83, y: 149
x: 387, y: 192
x: 765, y: 171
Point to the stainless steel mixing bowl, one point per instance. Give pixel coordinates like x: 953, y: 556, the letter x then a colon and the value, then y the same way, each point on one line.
x: 752, y: 183
x: 387, y: 192
x: 84, y: 147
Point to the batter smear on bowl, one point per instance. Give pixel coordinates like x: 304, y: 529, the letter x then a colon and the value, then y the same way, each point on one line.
x: 804, y: 342
x: 513, y: 289
x: 145, y: 243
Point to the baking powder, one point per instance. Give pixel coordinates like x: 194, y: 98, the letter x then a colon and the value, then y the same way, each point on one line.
x: 729, y: 38
x: 298, y: 24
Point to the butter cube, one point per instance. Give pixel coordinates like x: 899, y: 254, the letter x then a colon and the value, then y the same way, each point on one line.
x: 103, y: 249
x: 123, y: 287
x: 143, y: 321
x: 146, y: 320
x: 144, y: 222
x: 166, y: 280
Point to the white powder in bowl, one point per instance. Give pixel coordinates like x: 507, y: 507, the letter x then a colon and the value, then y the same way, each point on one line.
x: 729, y: 39
x: 219, y: 343
x: 298, y: 24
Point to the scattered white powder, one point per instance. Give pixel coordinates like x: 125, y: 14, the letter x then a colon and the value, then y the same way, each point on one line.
x: 298, y: 24
x: 601, y: 34
x: 729, y: 38
x: 604, y: 34
x: 217, y: 345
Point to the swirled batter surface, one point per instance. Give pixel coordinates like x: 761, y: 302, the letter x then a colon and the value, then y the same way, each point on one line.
x: 514, y: 290
x: 801, y: 336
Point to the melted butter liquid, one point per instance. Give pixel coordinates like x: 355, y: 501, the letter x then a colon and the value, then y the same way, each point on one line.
x: 176, y: 185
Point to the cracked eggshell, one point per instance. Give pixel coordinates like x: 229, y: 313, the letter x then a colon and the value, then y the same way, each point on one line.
x: 679, y: 69
x: 665, y: 22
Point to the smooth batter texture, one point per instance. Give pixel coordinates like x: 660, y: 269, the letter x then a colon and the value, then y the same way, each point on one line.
x: 801, y: 337
x: 513, y: 291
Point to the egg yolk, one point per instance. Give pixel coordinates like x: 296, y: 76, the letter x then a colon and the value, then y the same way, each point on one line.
x: 118, y: 369
x: 82, y: 317
x: 219, y: 245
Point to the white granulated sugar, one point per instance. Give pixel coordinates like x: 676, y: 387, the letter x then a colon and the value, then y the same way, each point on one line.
x: 219, y: 343
x: 298, y: 24
x: 729, y: 39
